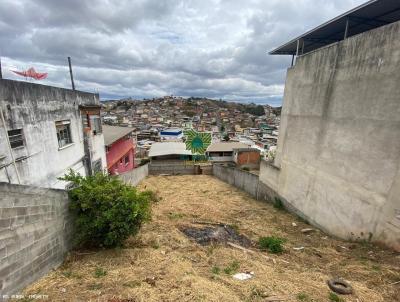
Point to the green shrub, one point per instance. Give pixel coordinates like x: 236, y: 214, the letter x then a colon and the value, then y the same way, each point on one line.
x: 278, y: 204
x: 302, y: 297
x: 272, y: 244
x: 144, y: 161
x: 232, y: 268
x: 100, y: 272
x: 106, y: 210
x: 335, y: 298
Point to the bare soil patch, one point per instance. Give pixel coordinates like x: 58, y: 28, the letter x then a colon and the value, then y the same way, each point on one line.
x: 163, y: 264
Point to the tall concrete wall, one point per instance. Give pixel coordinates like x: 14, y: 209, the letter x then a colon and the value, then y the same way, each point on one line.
x: 35, y: 234
x: 338, y: 150
x: 135, y: 176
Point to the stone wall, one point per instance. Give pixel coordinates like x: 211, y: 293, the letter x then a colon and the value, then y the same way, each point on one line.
x: 135, y: 176
x: 35, y: 234
x: 338, y: 153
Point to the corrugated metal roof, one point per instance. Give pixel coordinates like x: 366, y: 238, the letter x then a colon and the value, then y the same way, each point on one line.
x: 168, y: 148
x: 370, y: 15
x: 114, y: 133
x: 225, y: 146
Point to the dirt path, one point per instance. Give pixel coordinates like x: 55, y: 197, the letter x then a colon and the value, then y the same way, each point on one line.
x: 162, y: 264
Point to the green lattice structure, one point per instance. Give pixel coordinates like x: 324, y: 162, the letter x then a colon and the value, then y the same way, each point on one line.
x: 197, y: 142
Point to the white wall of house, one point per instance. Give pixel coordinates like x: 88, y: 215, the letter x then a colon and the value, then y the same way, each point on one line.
x: 35, y: 109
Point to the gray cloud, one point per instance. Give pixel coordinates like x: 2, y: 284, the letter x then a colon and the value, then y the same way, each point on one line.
x: 214, y: 48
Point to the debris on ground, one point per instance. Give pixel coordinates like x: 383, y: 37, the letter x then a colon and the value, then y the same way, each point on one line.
x: 243, y: 276
x: 219, y: 234
x: 307, y: 230
x: 294, y: 224
x: 299, y: 248
x: 340, y: 286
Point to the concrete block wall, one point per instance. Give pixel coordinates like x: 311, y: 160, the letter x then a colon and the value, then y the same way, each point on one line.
x: 174, y: 168
x: 35, y: 234
x: 135, y: 176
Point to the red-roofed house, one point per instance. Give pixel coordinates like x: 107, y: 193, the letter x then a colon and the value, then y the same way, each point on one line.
x: 120, y: 149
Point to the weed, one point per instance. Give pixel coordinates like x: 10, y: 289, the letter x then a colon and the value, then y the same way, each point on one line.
x: 302, y: 297
x: 174, y: 216
x: 335, y: 298
x: 278, y: 204
x: 210, y: 249
x: 215, y: 270
x: 100, y: 272
x: 154, y: 244
x: 232, y: 268
x: 95, y: 286
x: 376, y: 267
x: 131, y: 284
x: 256, y: 293
x: 272, y: 244
x: 67, y: 274
x: 70, y: 274
x: 235, y: 227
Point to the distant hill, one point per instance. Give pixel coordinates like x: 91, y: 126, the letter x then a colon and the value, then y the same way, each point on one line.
x: 191, y: 104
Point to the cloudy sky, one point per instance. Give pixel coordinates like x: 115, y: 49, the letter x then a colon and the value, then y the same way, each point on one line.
x: 139, y: 48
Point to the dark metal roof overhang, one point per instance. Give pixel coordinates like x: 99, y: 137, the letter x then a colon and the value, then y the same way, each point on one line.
x: 370, y: 15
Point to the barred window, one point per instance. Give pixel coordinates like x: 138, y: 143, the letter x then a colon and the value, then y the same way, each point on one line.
x: 63, y: 133
x: 16, y: 138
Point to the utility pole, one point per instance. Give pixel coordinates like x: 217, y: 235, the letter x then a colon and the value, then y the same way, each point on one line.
x: 70, y: 73
x: 1, y: 74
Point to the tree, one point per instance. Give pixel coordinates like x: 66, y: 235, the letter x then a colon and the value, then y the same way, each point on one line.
x: 106, y: 211
x: 226, y: 137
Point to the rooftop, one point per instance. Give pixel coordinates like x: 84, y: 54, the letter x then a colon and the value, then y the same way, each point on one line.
x: 168, y: 148
x: 114, y: 133
x: 225, y: 146
x: 370, y: 15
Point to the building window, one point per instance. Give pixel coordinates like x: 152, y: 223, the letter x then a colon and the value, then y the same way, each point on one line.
x: 16, y: 138
x: 63, y: 133
x: 95, y: 124
x: 126, y: 160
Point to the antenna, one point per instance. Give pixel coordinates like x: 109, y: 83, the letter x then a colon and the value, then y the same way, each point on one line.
x: 70, y: 73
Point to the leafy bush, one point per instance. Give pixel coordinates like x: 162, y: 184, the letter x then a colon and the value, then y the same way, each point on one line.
x: 106, y: 210
x: 278, y: 204
x: 272, y: 244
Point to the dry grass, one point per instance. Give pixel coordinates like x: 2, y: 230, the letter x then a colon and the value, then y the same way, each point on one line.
x: 161, y: 264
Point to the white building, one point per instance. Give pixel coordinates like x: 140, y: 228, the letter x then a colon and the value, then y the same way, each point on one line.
x: 45, y: 131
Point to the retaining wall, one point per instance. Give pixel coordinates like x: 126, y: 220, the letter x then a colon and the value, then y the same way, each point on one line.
x: 35, y: 234
x: 135, y: 176
x: 245, y: 181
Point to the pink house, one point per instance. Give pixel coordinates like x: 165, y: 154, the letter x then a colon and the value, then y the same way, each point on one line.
x: 120, y: 149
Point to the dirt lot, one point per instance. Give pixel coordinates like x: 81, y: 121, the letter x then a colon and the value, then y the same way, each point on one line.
x: 162, y: 264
